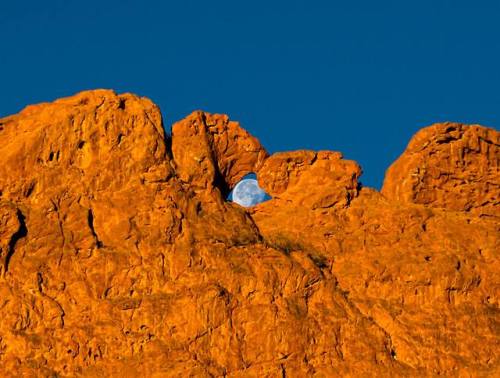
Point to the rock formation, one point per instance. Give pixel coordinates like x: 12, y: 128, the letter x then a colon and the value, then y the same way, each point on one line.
x: 450, y: 166
x: 120, y: 256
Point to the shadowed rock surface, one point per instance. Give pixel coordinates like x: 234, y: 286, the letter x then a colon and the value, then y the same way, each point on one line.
x: 120, y: 256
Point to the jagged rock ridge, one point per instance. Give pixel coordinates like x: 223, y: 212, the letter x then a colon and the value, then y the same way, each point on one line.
x: 121, y: 257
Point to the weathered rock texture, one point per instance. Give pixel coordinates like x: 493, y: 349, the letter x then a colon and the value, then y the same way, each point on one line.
x: 120, y: 256
x: 450, y: 166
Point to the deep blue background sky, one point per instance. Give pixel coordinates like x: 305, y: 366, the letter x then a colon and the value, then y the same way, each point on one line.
x: 354, y: 76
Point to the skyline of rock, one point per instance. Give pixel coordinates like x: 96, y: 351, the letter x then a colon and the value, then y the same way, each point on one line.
x: 121, y: 256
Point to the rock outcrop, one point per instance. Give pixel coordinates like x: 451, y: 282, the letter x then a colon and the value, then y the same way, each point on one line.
x: 451, y: 166
x: 120, y: 255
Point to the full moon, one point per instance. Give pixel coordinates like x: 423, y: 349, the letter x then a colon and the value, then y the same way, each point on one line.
x: 248, y: 193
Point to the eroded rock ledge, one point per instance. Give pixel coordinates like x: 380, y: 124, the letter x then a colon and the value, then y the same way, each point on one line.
x: 121, y: 256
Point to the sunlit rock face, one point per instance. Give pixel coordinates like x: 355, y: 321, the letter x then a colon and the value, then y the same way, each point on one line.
x: 120, y: 254
x: 451, y: 166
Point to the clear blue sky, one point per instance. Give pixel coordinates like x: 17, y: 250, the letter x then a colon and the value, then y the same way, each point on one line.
x: 359, y: 77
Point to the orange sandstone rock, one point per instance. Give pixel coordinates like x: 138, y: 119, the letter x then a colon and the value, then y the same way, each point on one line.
x: 210, y: 150
x: 450, y: 166
x: 290, y: 176
x: 121, y: 257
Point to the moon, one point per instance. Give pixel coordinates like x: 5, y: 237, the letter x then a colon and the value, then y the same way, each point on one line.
x: 248, y: 193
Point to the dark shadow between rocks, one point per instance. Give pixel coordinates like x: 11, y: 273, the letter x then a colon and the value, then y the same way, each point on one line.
x: 21, y: 233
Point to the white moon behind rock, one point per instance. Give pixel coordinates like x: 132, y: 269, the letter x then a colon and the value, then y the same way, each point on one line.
x: 248, y: 193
